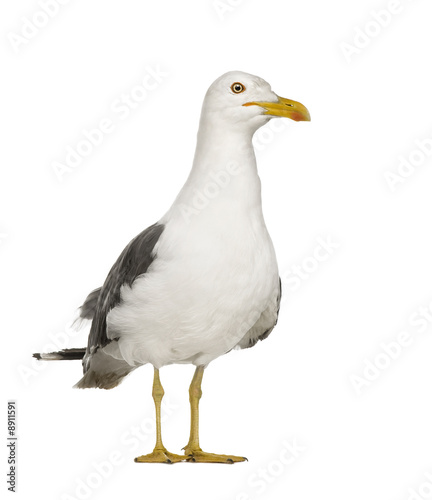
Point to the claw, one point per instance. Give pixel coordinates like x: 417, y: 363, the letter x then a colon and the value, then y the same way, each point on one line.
x: 199, y: 456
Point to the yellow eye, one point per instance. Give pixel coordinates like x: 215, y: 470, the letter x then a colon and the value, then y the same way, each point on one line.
x: 238, y: 88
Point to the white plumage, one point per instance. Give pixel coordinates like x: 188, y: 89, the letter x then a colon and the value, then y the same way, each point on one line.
x: 214, y: 282
x: 215, y: 270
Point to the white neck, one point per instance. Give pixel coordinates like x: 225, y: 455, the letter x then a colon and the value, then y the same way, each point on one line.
x: 224, y: 175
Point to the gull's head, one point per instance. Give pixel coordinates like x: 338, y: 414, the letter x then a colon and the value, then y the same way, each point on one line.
x: 247, y: 101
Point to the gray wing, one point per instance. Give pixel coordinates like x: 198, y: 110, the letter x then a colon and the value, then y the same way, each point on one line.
x: 133, y: 262
x: 278, y: 301
x: 88, y: 309
x: 265, y: 324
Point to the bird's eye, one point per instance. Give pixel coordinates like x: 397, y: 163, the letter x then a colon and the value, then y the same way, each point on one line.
x: 238, y: 88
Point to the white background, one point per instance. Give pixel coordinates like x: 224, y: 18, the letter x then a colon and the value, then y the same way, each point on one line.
x: 322, y: 179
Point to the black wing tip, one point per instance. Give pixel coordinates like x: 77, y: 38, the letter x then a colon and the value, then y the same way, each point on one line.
x: 64, y: 354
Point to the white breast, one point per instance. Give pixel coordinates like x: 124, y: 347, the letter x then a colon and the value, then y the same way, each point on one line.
x: 199, y: 298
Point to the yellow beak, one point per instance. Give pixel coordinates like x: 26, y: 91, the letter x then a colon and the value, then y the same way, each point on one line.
x: 284, y: 107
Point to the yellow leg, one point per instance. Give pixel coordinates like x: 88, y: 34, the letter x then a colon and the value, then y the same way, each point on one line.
x: 192, y: 450
x: 160, y: 454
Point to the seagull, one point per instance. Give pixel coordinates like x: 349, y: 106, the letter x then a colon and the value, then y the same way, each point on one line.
x: 204, y: 279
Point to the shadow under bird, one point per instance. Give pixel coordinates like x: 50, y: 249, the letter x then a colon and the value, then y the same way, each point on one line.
x: 204, y: 279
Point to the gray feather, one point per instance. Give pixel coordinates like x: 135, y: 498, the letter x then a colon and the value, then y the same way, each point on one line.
x: 65, y: 354
x: 133, y: 262
x: 87, y: 310
x: 267, y: 331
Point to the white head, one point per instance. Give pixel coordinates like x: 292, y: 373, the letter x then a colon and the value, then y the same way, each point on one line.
x: 242, y: 100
